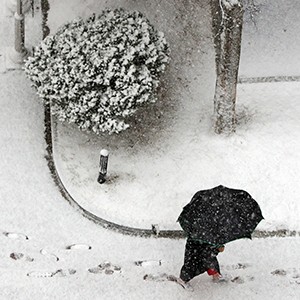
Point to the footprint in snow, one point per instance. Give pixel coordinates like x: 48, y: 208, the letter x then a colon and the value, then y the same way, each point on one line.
x: 237, y: 279
x: 146, y: 263
x: 39, y: 274
x: 238, y: 266
x: 106, y: 268
x: 57, y: 273
x: 295, y: 279
x: 49, y: 255
x: 234, y: 279
x: 293, y: 274
x: 63, y: 273
x: 279, y: 272
x: 79, y: 247
x: 21, y: 256
x: 14, y: 236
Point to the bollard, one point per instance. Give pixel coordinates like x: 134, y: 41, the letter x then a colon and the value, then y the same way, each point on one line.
x: 155, y: 229
x: 103, y: 166
x: 19, y: 53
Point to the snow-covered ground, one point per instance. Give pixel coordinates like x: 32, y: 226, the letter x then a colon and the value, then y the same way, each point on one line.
x: 157, y: 165
x: 261, y: 158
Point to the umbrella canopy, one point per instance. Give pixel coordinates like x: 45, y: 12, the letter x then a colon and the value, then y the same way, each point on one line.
x: 220, y: 215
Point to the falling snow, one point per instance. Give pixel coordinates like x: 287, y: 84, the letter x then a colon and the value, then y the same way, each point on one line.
x: 49, y: 251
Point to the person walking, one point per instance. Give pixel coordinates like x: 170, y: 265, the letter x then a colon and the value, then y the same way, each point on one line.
x: 200, y: 257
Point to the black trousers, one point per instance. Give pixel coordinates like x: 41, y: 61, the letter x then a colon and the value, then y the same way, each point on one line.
x: 198, y: 258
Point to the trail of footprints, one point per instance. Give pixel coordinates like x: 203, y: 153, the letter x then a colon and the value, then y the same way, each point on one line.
x: 106, y: 267
x: 292, y: 274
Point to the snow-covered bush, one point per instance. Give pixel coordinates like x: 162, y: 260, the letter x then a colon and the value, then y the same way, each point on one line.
x: 97, y: 72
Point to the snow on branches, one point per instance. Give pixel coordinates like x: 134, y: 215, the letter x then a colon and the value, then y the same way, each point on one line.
x: 98, y: 71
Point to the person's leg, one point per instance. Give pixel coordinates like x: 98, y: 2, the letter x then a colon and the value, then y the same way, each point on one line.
x: 214, y: 273
x: 190, y: 266
x: 214, y: 269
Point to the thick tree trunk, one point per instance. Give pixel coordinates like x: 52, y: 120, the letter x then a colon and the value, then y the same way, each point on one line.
x: 227, y: 18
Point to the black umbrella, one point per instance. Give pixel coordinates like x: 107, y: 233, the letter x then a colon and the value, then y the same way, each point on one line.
x: 220, y: 215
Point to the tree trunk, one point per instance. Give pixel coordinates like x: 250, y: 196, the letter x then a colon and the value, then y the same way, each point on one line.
x: 227, y: 21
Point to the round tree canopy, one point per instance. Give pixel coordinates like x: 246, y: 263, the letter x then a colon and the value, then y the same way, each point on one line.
x: 98, y: 71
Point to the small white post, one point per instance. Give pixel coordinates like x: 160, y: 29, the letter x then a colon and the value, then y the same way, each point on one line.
x: 103, y: 166
x: 19, y: 52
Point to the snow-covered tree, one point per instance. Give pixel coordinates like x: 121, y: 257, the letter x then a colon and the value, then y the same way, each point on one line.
x: 227, y: 16
x: 98, y: 71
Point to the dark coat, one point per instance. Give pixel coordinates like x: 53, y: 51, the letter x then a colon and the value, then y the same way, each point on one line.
x: 198, y: 258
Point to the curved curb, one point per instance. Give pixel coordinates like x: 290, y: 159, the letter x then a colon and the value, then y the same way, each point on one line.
x: 174, y: 234
x: 64, y: 192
